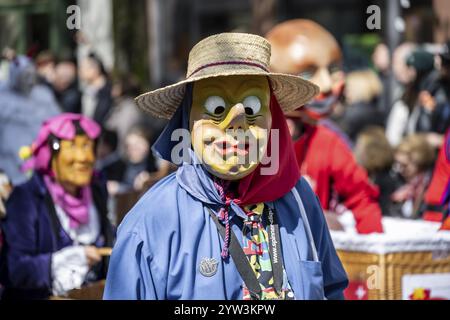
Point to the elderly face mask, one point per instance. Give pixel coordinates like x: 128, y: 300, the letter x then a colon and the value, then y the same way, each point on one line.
x: 74, y: 160
x: 304, y: 48
x: 230, y: 122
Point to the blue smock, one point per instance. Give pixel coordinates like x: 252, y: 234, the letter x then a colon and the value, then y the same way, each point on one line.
x: 166, y: 235
x: 163, y: 239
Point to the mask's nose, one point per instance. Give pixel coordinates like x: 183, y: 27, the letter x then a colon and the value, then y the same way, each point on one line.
x: 236, y: 119
x: 80, y: 155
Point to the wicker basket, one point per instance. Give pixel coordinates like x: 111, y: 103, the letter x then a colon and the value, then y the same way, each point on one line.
x: 390, y: 268
x: 380, y: 263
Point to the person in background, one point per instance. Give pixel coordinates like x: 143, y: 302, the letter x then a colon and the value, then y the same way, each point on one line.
x: 382, y: 61
x: 414, y: 159
x: 403, y: 74
x: 45, y: 66
x: 375, y: 154
x: 24, y: 106
x: 5, y: 191
x: 125, y: 114
x: 137, y: 169
x: 434, y: 99
x: 302, y: 47
x: 362, y: 91
x: 97, y: 100
x: 57, y: 219
x: 109, y: 161
x: 163, y: 241
x: 441, y: 119
x: 65, y: 86
x: 427, y: 75
x: 7, y: 55
x: 139, y: 159
x: 437, y: 197
x: 407, y: 115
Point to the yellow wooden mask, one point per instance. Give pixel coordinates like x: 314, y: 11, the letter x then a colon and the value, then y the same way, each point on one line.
x: 230, y: 122
x: 74, y: 161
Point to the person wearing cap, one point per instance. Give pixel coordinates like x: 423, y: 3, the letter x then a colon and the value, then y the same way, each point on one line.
x: 435, y: 99
x: 56, y: 220
x: 303, y: 47
x: 422, y: 62
x: 235, y: 221
x: 413, y: 112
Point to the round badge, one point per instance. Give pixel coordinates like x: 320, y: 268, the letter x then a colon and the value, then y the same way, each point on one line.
x: 208, y: 267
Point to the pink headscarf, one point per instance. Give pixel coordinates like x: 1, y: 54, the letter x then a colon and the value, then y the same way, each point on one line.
x: 62, y: 127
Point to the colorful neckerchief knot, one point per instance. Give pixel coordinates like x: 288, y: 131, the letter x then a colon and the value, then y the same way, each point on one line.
x: 227, y: 197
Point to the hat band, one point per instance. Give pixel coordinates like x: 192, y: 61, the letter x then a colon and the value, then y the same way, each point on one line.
x: 253, y: 64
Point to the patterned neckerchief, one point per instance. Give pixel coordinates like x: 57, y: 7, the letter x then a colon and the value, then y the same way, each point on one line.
x: 256, y: 248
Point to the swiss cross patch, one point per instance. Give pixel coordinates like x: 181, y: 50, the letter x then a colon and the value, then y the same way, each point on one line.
x: 356, y: 290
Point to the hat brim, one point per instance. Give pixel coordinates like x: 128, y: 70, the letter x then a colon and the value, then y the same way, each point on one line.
x: 291, y: 92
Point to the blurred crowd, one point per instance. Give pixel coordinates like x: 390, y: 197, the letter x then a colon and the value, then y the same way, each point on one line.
x: 396, y: 143
x: 396, y: 131
x: 73, y: 130
x: 34, y: 89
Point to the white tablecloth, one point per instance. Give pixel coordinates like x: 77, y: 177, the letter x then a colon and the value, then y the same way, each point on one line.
x: 399, y: 236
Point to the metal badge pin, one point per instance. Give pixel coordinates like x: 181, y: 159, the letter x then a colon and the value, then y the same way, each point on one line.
x: 208, y: 267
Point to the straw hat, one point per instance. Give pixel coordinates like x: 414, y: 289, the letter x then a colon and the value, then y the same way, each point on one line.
x: 229, y: 54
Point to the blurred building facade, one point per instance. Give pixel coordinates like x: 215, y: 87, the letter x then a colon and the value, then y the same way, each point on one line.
x: 151, y: 38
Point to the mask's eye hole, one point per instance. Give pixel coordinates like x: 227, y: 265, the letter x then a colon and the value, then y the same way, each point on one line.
x: 308, y: 73
x: 252, y: 105
x: 215, y: 105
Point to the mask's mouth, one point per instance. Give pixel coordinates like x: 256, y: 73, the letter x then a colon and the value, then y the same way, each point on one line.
x: 226, y: 147
x: 82, y: 168
x: 324, y: 103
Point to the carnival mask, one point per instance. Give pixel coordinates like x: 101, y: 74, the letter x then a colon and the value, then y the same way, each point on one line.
x: 73, y: 161
x: 230, y: 121
x: 304, y: 48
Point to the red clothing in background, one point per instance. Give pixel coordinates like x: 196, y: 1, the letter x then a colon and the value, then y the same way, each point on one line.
x: 439, y: 187
x: 328, y: 164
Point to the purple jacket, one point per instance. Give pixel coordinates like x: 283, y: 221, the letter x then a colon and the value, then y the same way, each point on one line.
x: 32, y: 232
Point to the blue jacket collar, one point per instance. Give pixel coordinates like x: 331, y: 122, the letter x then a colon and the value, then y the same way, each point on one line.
x: 200, y: 185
